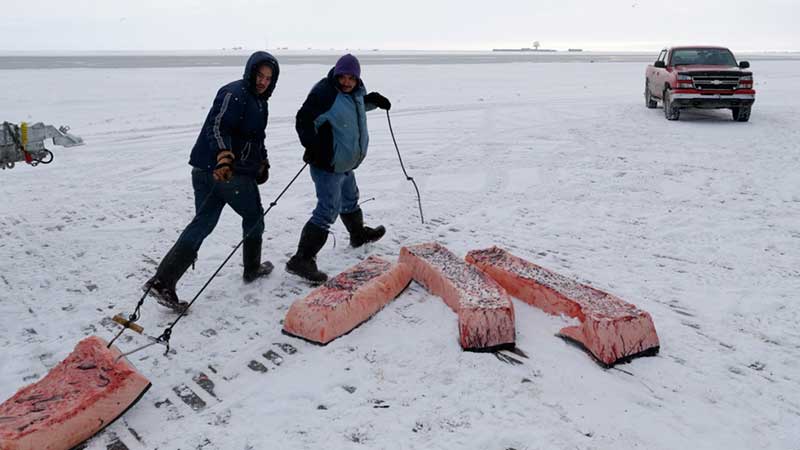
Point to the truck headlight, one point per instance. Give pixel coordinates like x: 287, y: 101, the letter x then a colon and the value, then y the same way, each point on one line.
x: 745, y: 82
x: 685, y: 81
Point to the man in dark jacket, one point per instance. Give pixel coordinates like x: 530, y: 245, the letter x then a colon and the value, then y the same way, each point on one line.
x: 228, y: 162
x: 332, y: 126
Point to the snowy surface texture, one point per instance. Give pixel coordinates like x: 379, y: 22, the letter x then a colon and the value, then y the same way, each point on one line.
x: 694, y: 221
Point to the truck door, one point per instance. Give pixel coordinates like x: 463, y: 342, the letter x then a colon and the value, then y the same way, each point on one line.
x: 655, y: 86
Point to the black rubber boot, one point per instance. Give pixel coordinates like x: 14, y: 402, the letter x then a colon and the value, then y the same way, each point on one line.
x: 304, y: 262
x: 171, y: 269
x: 251, y: 257
x: 359, y: 234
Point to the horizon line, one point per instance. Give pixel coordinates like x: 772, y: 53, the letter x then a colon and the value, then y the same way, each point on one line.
x: 242, y: 49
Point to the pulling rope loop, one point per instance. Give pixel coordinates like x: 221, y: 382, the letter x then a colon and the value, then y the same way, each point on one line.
x: 402, y: 166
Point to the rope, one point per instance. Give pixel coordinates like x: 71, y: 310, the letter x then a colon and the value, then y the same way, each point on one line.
x: 136, y: 313
x: 133, y: 317
x: 365, y: 201
x: 167, y: 334
x: 402, y: 166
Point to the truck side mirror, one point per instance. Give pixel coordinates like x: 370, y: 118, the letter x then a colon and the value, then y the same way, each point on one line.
x: 744, y: 65
x: 660, y: 65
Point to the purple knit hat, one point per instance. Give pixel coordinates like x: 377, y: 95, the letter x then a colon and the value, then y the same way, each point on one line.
x: 347, y: 65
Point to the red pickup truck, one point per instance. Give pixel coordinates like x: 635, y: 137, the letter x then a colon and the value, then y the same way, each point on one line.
x: 699, y: 77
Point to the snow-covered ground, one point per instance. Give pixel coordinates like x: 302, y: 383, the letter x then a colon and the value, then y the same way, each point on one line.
x: 694, y: 221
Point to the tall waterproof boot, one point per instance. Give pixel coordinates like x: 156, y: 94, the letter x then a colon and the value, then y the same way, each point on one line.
x: 304, y: 262
x: 171, y: 269
x: 251, y: 257
x: 359, y: 234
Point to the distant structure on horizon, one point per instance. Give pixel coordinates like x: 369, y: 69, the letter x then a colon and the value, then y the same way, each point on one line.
x: 535, y: 48
x: 525, y: 49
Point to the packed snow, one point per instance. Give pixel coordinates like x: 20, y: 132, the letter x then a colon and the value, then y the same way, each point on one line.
x: 694, y: 221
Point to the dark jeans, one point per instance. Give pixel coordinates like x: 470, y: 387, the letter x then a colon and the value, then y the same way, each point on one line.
x: 210, y: 197
x: 336, y: 193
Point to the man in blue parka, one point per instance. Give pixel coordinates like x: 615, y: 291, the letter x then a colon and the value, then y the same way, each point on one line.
x: 229, y: 161
x: 332, y: 126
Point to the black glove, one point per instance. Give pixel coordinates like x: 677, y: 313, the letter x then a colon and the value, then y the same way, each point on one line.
x: 378, y: 100
x: 263, y: 172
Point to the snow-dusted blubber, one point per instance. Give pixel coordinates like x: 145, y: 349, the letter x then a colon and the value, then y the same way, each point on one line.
x: 79, y: 397
x: 611, y: 329
x: 485, y: 312
x: 346, y: 300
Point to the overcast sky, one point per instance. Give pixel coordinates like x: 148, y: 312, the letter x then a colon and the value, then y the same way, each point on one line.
x: 395, y: 25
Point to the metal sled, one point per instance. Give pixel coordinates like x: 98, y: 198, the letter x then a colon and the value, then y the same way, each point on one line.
x: 25, y: 143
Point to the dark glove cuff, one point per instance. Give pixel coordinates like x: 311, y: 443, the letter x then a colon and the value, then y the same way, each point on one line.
x: 225, y: 157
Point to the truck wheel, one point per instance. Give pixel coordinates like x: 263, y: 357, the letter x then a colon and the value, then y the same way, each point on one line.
x: 741, y: 114
x: 670, y: 112
x: 649, y: 102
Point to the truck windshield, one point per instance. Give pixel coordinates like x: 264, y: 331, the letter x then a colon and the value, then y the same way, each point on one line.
x: 702, y: 56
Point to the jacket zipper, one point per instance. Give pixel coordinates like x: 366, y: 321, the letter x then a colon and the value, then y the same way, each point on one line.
x: 358, y: 126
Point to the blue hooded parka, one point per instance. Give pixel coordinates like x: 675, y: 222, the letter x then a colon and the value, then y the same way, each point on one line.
x: 237, y: 121
x: 332, y: 126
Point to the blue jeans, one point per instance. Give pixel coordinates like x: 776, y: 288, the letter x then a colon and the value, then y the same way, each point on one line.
x: 210, y: 197
x: 337, y: 193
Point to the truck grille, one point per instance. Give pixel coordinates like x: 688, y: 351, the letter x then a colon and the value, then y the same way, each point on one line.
x: 715, y: 82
